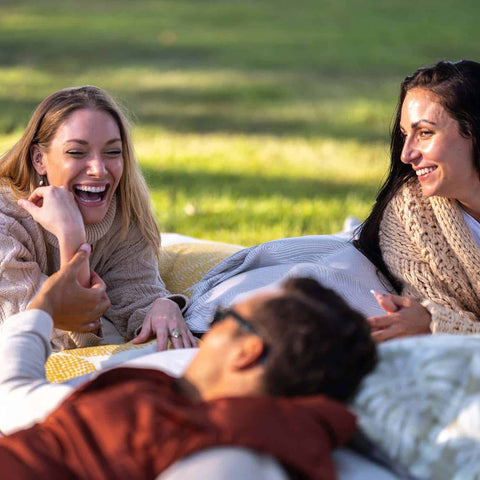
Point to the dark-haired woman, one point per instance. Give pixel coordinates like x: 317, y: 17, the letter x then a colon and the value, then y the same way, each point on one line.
x: 424, y: 231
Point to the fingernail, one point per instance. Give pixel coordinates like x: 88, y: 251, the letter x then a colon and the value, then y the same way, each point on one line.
x: 376, y: 294
x: 85, y: 247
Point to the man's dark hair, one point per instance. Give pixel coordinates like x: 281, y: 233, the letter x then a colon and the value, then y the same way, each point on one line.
x: 315, y: 343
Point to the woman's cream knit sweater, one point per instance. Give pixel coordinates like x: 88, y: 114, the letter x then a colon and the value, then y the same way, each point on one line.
x: 428, y: 247
x: 28, y: 254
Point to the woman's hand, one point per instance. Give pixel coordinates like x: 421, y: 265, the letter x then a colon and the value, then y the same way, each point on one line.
x: 405, y: 317
x: 56, y: 210
x: 164, y: 316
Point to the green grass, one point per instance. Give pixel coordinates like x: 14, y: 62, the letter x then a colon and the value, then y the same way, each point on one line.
x: 255, y: 119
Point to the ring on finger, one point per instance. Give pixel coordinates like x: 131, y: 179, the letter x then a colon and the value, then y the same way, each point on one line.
x: 175, y: 333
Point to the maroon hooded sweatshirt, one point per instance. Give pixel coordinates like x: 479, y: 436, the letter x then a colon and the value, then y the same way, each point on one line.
x: 133, y: 423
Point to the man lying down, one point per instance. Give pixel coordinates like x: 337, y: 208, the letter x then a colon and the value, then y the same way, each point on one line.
x: 270, y: 375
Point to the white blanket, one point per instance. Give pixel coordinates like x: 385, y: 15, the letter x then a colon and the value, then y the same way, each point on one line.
x: 330, y: 259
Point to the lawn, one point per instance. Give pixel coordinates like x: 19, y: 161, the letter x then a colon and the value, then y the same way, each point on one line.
x: 254, y: 119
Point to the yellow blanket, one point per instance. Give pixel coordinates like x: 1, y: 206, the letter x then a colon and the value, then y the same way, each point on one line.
x: 182, y: 266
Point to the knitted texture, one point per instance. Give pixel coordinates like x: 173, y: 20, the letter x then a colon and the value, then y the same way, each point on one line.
x: 428, y: 247
x: 128, y: 266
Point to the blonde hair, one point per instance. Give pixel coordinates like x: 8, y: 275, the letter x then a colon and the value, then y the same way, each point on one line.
x: 17, y: 171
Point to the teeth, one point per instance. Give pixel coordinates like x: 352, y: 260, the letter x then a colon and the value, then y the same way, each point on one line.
x: 423, y: 171
x: 87, y: 188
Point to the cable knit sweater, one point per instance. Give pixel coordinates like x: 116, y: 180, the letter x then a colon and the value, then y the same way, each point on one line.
x: 427, y: 246
x: 29, y: 254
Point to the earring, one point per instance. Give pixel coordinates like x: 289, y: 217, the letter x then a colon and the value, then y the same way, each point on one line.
x: 40, y: 183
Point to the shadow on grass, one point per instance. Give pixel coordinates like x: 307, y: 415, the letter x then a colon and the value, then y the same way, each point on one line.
x: 15, y: 113
x: 280, y: 127
x: 196, y: 185
x: 242, y: 111
x: 54, y: 55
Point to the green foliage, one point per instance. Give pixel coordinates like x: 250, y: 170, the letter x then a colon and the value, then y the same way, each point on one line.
x: 255, y: 119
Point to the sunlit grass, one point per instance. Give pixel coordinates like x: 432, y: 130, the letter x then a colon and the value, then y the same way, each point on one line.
x: 246, y: 189
x: 254, y: 119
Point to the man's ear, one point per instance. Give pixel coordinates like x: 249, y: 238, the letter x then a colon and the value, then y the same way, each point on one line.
x: 248, y: 352
x: 37, y: 160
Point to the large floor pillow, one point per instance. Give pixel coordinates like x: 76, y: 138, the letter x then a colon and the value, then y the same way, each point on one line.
x: 183, y: 264
x: 422, y: 404
x: 67, y: 364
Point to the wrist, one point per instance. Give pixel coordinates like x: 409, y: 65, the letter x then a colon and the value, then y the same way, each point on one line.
x: 166, y: 301
x: 68, y: 245
x: 41, y: 302
x: 73, y: 237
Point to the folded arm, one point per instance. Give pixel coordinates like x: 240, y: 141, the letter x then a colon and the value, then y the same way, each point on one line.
x: 416, y: 256
x: 25, y: 395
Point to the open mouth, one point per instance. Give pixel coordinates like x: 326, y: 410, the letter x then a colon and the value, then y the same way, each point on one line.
x: 90, y: 194
x: 424, y: 171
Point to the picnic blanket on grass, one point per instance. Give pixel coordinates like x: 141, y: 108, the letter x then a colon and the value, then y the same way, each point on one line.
x: 330, y: 259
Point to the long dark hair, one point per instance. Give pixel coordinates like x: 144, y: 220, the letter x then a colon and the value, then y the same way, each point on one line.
x: 457, y: 88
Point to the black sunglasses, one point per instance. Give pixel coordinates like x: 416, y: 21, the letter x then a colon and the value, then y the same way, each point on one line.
x: 222, y: 312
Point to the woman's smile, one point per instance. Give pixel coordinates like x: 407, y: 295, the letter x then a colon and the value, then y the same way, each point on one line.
x: 90, y: 195
x: 86, y: 157
x: 440, y: 155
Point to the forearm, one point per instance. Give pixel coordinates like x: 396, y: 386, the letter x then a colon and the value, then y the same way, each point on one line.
x: 25, y: 395
x: 68, y: 244
x: 134, y: 284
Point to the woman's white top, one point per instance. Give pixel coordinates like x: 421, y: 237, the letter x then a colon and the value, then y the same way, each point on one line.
x: 473, y: 225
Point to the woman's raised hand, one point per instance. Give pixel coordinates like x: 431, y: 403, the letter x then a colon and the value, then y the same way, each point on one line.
x: 405, y: 317
x: 56, y: 210
x: 163, y: 320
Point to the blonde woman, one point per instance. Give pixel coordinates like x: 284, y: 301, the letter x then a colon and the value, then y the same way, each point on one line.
x: 72, y: 178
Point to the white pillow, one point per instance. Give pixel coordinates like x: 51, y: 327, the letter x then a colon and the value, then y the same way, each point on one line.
x: 422, y: 404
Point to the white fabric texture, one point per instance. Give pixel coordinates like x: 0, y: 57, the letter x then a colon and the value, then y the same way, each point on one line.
x: 231, y: 463
x: 422, y: 404
x: 225, y: 463
x: 330, y: 259
x: 473, y: 226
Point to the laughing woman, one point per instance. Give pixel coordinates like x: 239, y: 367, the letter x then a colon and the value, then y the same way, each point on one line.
x: 424, y: 230
x: 72, y: 178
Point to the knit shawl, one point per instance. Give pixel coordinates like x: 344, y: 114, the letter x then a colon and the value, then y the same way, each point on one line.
x: 428, y: 247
